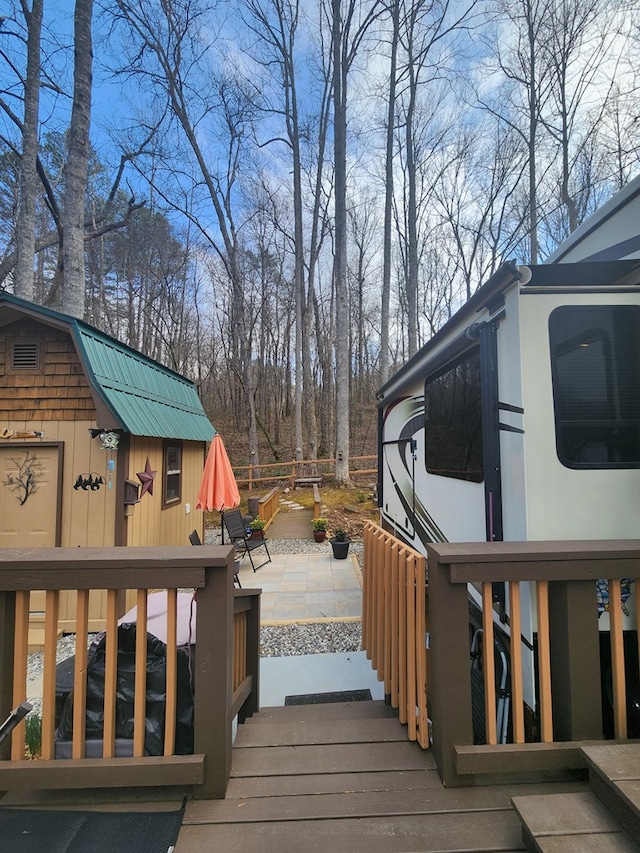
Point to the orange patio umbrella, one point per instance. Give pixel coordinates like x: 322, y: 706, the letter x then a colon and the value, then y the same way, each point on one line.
x: 218, y: 489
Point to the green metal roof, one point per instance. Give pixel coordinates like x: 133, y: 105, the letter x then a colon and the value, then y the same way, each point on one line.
x: 144, y: 397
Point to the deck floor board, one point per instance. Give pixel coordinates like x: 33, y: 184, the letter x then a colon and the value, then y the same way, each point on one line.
x: 343, y: 779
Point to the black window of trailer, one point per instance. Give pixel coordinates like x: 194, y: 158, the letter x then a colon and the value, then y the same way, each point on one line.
x: 595, y: 365
x: 453, y: 428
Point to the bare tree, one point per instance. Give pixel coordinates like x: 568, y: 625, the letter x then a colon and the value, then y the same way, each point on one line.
x: 26, y: 221
x: 349, y: 27
x: 168, y: 55
x: 73, y: 294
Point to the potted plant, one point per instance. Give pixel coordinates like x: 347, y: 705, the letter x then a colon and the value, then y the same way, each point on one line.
x: 320, y: 529
x: 256, y: 526
x: 340, y: 544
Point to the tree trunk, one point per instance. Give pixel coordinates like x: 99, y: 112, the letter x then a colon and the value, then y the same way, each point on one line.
x: 388, y: 198
x: 73, y: 293
x: 26, y: 224
x: 343, y: 319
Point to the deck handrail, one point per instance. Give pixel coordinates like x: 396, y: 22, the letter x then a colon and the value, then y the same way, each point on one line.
x: 394, y: 625
x: 225, y: 675
x: 562, y: 578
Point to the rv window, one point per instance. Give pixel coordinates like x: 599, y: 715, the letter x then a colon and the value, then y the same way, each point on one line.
x: 595, y: 365
x: 453, y: 428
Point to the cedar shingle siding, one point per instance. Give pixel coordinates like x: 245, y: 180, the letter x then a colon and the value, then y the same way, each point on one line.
x: 56, y: 390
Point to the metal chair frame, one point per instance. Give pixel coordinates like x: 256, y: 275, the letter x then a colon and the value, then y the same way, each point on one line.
x: 232, y: 520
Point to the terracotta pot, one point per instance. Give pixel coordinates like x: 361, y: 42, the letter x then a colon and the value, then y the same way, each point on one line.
x: 319, y: 535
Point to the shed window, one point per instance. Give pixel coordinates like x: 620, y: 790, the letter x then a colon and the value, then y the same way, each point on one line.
x: 453, y: 428
x: 172, y: 473
x: 25, y: 355
x: 595, y: 365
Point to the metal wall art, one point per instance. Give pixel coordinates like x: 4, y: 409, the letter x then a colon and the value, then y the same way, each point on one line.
x: 25, y: 481
x: 88, y: 482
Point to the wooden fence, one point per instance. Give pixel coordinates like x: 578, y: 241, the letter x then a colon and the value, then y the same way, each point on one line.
x: 225, y: 674
x: 291, y: 471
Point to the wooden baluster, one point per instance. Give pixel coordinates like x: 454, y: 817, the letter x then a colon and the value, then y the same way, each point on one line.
x: 617, y: 661
x: 405, y: 568
x: 140, y: 694
x: 544, y: 663
x: 517, y: 696
x: 20, y: 654
x: 488, y: 664
x: 379, y: 605
x: 412, y: 604
x: 390, y: 620
x: 110, y: 675
x: 171, y: 673
x: 52, y: 597
x: 419, y: 571
x: 80, y: 675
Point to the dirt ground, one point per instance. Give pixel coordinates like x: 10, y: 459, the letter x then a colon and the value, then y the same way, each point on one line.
x: 345, y: 508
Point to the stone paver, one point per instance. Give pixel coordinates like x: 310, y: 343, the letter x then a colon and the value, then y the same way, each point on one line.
x: 301, y: 586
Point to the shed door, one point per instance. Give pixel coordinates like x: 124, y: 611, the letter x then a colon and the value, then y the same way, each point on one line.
x: 29, y: 495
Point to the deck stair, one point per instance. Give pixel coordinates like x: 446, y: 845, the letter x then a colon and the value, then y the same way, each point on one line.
x: 606, y: 818
x: 343, y: 778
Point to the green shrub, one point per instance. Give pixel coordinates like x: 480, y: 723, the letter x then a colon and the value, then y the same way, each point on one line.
x: 33, y: 734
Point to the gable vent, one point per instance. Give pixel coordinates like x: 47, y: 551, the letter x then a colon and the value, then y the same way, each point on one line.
x: 25, y: 356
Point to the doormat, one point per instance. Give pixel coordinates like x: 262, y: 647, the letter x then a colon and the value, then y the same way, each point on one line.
x: 38, y: 830
x: 322, y: 698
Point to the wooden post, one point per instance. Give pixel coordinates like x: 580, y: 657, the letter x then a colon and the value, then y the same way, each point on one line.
x: 214, y: 678
x: 7, y: 628
x: 449, y: 685
x: 575, y: 660
x: 252, y: 705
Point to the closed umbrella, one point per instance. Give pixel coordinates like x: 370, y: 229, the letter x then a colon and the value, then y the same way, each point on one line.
x: 218, y: 489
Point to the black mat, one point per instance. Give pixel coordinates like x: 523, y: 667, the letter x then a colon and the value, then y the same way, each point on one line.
x: 321, y: 698
x: 48, y: 831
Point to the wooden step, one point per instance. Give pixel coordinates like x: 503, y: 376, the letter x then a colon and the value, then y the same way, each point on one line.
x: 570, y: 823
x: 614, y: 777
x: 375, y: 708
x: 606, y: 818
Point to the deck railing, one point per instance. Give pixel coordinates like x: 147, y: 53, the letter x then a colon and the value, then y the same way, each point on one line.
x: 225, y: 675
x: 561, y: 652
x: 393, y: 625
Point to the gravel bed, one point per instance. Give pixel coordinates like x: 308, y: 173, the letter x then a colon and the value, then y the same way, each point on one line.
x: 275, y: 640
x: 309, y: 638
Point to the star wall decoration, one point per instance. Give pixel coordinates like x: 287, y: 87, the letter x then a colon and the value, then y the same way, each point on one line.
x: 147, y: 477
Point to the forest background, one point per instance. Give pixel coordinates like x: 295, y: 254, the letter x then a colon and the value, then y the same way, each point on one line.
x: 284, y: 200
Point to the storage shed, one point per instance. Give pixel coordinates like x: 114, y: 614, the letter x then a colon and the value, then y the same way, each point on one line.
x: 99, y: 445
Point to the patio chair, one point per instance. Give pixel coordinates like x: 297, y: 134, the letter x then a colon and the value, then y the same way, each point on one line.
x: 194, y: 538
x: 233, y: 521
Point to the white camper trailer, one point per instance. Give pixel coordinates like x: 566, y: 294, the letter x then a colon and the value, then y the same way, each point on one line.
x: 520, y: 419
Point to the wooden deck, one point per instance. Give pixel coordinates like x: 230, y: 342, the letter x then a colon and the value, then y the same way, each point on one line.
x: 342, y: 778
